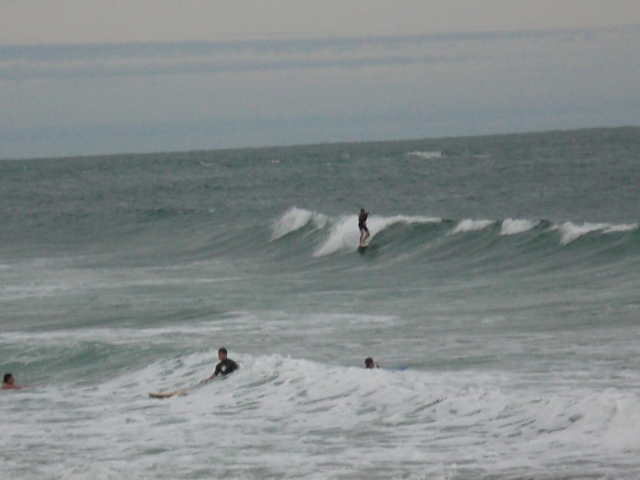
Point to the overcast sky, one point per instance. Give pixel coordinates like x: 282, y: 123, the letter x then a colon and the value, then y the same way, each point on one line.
x: 82, y: 77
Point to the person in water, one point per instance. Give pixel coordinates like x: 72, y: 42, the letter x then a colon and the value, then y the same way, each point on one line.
x: 369, y: 363
x: 362, y: 226
x: 225, y: 366
x: 9, y: 382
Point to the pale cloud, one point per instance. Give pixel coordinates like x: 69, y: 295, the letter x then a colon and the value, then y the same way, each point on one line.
x: 162, y: 58
x: 46, y: 22
x: 104, y: 77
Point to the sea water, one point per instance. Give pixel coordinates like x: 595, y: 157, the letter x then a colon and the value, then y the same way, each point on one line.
x: 499, y: 293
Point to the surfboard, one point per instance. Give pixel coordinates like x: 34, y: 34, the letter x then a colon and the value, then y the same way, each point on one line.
x: 173, y: 393
x: 362, y: 247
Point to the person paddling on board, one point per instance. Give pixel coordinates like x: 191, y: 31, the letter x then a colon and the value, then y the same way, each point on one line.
x: 225, y: 367
x: 9, y: 382
x: 362, y: 226
x: 369, y: 363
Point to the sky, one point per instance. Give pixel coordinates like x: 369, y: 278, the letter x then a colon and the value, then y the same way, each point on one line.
x: 86, y: 77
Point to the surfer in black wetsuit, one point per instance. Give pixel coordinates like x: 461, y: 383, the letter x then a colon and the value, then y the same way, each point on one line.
x: 226, y: 365
x: 369, y: 363
x: 362, y: 226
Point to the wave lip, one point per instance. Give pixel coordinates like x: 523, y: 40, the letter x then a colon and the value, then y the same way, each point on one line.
x: 344, y: 234
x: 514, y: 227
x: 471, y: 226
x: 295, y: 219
x: 571, y: 232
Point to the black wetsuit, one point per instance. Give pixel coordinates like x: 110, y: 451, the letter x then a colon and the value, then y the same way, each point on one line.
x: 362, y: 221
x: 225, y: 367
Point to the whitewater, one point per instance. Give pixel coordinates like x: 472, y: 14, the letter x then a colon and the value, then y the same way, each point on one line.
x: 499, y: 294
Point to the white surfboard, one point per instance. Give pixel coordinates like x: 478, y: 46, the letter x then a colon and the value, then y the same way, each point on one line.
x: 172, y: 393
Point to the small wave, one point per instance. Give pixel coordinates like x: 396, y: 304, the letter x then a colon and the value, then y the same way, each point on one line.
x: 341, y: 233
x: 472, y: 226
x: 426, y: 154
x: 514, y: 227
x: 571, y: 232
x: 344, y: 234
x: 294, y: 219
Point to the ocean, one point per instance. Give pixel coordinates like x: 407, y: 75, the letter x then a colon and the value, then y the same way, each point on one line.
x: 499, y: 293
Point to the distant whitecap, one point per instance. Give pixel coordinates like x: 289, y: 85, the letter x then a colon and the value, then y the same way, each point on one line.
x: 426, y: 154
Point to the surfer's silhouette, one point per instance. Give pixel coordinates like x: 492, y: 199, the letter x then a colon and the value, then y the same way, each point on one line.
x: 362, y: 226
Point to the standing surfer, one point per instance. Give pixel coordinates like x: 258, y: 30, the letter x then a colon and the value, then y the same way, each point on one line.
x: 362, y: 226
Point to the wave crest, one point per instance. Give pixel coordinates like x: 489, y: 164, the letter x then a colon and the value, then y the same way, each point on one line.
x: 295, y: 219
x: 344, y: 234
x: 514, y: 227
x: 340, y: 233
x: 571, y: 232
x: 471, y: 226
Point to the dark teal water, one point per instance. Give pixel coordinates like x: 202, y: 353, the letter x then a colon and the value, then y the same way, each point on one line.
x: 501, y: 277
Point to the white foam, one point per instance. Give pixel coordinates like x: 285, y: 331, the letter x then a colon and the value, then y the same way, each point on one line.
x: 621, y: 228
x: 294, y: 219
x: 426, y: 154
x: 344, y: 234
x: 471, y: 226
x: 280, y: 413
x: 571, y: 232
x: 514, y: 227
x: 492, y: 420
x: 113, y: 336
x: 623, y: 433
